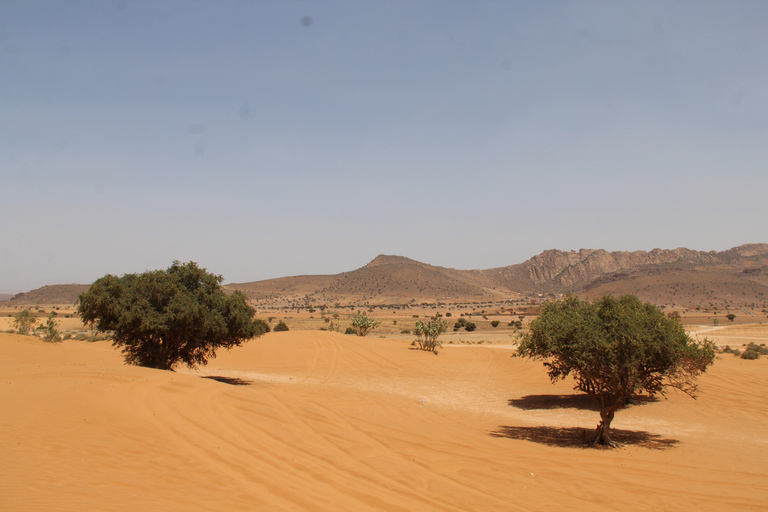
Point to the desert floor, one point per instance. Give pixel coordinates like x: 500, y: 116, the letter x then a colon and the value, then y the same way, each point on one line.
x: 314, y: 420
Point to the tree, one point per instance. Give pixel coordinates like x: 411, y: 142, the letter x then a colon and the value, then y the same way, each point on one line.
x: 25, y: 321
x: 164, y: 317
x: 362, y: 324
x: 731, y: 317
x: 51, y: 330
x: 615, y: 348
x: 430, y: 332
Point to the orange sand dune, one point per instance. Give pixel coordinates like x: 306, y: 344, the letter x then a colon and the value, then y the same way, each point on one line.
x: 319, y: 421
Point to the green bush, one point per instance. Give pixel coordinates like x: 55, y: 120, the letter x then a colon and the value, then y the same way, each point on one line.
x: 362, y: 324
x: 470, y: 326
x: 350, y: 330
x: 281, y: 327
x: 495, y: 323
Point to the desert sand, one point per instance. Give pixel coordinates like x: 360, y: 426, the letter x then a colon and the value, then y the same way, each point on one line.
x: 316, y: 421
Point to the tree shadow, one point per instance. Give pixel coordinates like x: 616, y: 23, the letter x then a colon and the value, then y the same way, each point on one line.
x: 232, y: 381
x: 582, y: 402
x: 574, y: 437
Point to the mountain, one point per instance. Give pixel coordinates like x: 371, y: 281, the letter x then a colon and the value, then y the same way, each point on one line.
x: 736, y: 277
x: 63, y: 294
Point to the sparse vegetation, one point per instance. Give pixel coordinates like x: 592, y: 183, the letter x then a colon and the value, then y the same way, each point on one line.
x: 280, y: 327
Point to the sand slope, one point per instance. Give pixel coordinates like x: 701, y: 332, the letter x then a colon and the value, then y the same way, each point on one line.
x: 319, y: 421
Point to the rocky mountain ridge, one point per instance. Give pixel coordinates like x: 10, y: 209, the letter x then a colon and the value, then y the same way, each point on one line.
x: 683, y: 276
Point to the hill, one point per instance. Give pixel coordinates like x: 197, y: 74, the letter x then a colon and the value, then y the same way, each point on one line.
x: 737, y: 277
x: 50, y: 294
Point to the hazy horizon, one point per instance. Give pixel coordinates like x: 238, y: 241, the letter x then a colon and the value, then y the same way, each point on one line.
x: 270, y: 139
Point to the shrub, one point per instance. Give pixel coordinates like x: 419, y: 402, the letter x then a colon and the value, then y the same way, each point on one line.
x: 363, y: 324
x: 760, y: 349
x: 495, y: 323
x: 430, y: 332
x: 750, y: 354
x: 350, y: 330
x: 470, y: 326
x: 51, y: 332
x: 25, y: 321
x: 280, y: 327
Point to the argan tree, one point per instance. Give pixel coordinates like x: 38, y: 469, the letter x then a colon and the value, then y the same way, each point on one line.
x: 164, y: 317
x: 362, y: 324
x: 615, y: 348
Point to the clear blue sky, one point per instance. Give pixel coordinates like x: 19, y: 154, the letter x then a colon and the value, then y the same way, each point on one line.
x: 270, y: 138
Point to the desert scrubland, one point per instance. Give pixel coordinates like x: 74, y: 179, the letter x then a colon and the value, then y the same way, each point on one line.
x: 316, y: 420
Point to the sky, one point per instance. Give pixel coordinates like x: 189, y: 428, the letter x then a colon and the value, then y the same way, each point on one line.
x: 264, y: 139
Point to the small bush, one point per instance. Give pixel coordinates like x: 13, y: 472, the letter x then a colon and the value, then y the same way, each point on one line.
x: 405, y: 331
x: 470, y: 326
x: 281, y: 327
x: 495, y: 323
x: 760, y: 349
x: 750, y: 354
x: 350, y: 330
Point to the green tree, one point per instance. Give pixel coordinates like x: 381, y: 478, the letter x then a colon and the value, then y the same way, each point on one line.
x: 427, y: 333
x: 51, y: 330
x: 164, y: 317
x: 362, y: 324
x: 25, y: 321
x: 615, y: 348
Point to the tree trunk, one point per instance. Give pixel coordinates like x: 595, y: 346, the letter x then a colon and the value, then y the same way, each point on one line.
x: 603, y: 433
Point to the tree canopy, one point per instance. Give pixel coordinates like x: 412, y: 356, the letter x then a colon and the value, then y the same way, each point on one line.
x: 164, y: 317
x: 615, y: 348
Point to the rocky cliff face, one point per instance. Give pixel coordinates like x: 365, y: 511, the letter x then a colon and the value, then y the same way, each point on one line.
x: 573, y: 269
